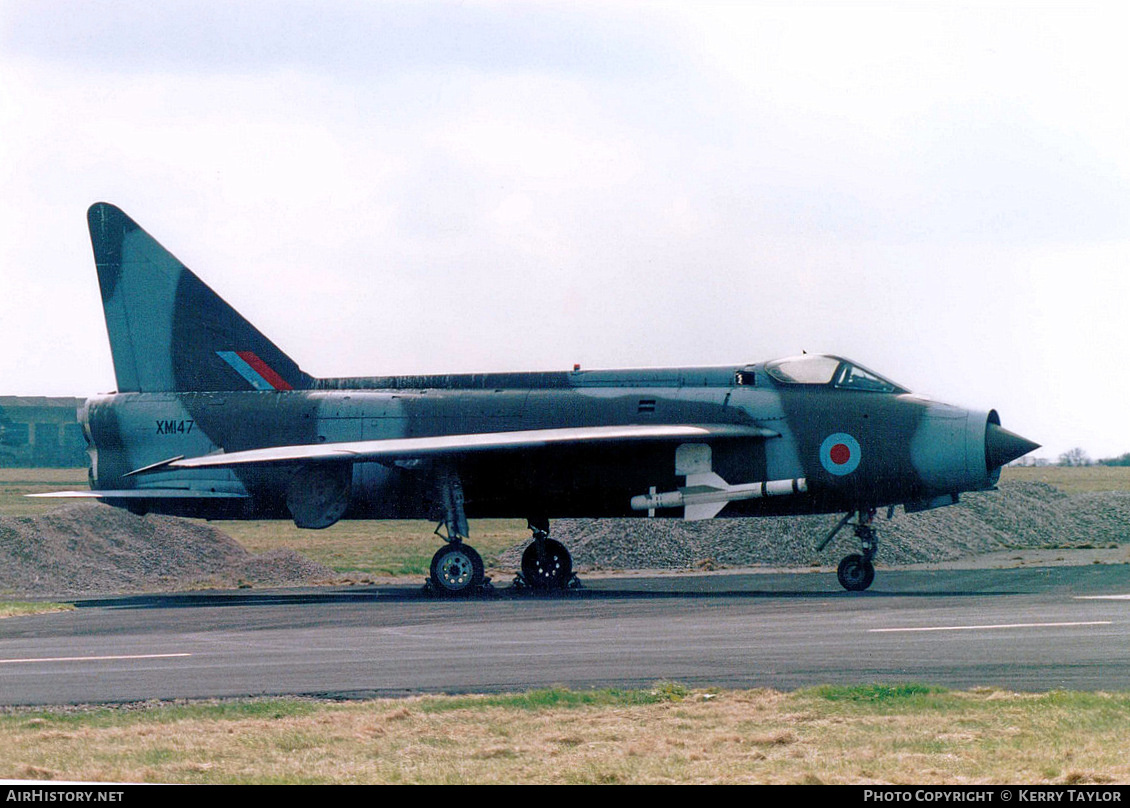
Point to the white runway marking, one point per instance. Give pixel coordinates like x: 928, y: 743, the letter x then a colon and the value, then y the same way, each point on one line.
x: 998, y: 625
x: 91, y: 658
x: 1102, y: 597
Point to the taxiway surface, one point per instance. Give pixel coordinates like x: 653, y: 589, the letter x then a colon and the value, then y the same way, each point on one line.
x: 1022, y: 629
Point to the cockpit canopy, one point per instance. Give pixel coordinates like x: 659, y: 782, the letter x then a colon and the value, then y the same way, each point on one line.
x: 823, y: 369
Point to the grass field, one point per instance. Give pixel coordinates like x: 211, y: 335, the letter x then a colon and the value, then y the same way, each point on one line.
x: 16, y: 483
x: 1072, y: 480
x: 869, y: 734
x: 376, y: 548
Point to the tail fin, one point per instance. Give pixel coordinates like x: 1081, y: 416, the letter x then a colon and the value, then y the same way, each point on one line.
x: 168, y: 331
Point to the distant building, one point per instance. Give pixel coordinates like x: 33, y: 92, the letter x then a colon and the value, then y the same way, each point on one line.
x: 39, y: 431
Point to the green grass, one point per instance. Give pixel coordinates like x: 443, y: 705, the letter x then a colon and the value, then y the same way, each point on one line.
x: 15, y: 608
x: 554, y: 697
x: 876, y: 694
x: 375, y: 547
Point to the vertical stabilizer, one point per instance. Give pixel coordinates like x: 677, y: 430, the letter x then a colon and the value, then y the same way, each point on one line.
x: 168, y: 331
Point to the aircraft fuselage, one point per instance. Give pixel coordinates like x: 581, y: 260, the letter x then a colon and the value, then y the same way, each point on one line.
x: 907, y: 448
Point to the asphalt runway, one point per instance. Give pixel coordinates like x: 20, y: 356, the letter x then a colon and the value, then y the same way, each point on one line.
x: 1023, y: 629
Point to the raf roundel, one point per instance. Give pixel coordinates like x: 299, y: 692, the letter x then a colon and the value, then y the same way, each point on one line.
x: 840, y: 454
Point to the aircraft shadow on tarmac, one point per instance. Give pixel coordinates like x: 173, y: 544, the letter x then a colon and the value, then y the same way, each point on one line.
x: 395, y: 594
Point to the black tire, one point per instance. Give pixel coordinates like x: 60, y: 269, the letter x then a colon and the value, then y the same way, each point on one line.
x: 855, y: 573
x: 457, y: 570
x: 548, y: 570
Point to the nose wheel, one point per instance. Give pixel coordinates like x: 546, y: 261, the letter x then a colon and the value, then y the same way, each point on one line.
x: 857, y: 572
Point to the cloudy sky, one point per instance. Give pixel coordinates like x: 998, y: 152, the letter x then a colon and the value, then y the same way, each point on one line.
x: 940, y: 190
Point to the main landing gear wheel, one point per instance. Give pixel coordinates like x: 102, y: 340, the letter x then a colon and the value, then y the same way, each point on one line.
x: 547, y: 567
x: 856, y: 573
x: 457, y: 570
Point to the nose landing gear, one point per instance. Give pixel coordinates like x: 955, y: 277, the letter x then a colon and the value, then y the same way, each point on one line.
x: 856, y: 572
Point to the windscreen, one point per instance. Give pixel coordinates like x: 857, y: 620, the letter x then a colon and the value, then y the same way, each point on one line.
x: 806, y: 369
x: 853, y: 377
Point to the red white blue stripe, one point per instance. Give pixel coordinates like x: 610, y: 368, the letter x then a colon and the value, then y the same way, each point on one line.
x: 257, y: 372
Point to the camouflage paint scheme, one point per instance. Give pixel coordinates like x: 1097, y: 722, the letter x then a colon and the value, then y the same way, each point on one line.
x: 196, y: 379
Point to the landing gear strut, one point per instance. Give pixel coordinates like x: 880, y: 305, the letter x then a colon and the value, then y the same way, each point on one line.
x: 457, y: 569
x: 546, y: 563
x: 856, y: 572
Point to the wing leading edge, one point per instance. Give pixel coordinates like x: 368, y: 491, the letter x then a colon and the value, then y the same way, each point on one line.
x: 440, y: 445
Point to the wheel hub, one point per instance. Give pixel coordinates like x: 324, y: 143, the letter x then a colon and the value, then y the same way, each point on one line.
x: 548, y: 568
x: 853, y: 573
x: 456, y: 570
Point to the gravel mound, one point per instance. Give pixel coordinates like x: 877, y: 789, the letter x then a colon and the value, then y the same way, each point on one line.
x: 1020, y: 515
x: 282, y: 568
x: 89, y: 549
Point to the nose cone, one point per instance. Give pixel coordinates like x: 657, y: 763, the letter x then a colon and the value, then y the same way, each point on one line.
x: 1002, y: 446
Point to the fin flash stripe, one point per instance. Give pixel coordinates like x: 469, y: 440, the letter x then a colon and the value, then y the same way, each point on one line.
x: 257, y: 372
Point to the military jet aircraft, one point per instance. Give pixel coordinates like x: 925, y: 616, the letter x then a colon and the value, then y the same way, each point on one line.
x: 212, y: 420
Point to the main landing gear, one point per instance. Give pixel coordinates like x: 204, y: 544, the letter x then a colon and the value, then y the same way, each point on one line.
x: 546, y: 563
x: 856, y: 572
x: 457, y: 569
